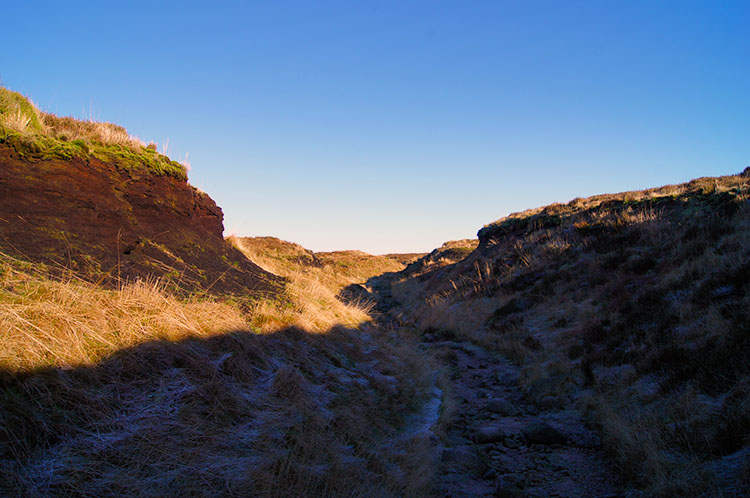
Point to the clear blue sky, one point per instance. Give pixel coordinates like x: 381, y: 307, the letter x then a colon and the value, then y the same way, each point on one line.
x: 394, y: 126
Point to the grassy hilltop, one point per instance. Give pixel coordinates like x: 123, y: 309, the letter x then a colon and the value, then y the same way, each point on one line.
x: 87, y: 198
x: 39, y: 135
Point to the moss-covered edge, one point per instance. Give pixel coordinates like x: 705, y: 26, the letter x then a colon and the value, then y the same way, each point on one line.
x: 35, y: 144
x: 40, y: 147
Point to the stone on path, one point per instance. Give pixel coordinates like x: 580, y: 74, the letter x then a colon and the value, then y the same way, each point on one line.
x: 502, y: 407
x: 504, y: 491
x: 461, y: 457
x: 510, y: 486
x: 490, y: 434
x: 509, y: 443
x: 542, y: 433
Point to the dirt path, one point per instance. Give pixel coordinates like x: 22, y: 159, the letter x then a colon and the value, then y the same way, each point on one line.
x: 500, y: 445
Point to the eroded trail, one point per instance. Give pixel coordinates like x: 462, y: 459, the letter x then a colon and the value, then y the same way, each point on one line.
x: 497, y: 443
x: 500, y: 445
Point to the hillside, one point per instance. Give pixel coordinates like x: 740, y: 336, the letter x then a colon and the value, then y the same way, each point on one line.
x: 629, y: 308
x: 141, y: 354
x: 86, y: 197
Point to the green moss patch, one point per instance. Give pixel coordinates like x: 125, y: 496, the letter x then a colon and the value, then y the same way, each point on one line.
x: 38, y: 136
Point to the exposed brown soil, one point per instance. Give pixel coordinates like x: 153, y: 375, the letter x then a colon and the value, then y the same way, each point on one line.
x: 112, y: 225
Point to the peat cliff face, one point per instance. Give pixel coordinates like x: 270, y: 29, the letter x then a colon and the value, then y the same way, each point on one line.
x: 109, y: 223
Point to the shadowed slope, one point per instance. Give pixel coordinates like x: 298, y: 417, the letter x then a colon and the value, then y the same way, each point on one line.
x: 633, y: 307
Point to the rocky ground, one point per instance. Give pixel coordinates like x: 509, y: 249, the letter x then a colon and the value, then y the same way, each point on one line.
x: 500, y: 445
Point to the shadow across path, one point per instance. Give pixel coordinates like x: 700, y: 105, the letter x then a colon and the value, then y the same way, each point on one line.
x: 238, y: 414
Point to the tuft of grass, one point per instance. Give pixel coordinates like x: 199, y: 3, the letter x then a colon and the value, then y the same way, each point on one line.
x: 19, y: 114
x: 38, y: 135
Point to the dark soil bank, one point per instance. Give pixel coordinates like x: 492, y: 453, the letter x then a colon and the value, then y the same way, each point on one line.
x: 112, y: 224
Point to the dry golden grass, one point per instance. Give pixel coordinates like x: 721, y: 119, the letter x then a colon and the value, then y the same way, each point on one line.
x: 134, y: 392
x: 335, y: 270
x: 556, y: 214
x: 20, y: 114
x: 47, y: 322
x: 38, y: 135
x: 137, y: 393
x: 16, y: 120
x: 315, y: 281
x: 309, y: 304
x: 71, y: 129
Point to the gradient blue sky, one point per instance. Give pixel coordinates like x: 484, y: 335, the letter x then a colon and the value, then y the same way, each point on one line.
x: 395, y: 126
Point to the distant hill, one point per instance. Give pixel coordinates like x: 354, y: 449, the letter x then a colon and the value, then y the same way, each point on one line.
x: 337, y: 268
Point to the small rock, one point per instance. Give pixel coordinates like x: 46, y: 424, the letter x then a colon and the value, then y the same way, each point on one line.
x: 514, y: 479
x: 510, y: 443
x: 510, y: 486
x: 461, y: 457
x: 486, y: 435
x: 504, y: 491
x: 550, y: 402
x: 542, y: 433
x: 502, y: 407
x: 723, y: 291
x: 456, y: 455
